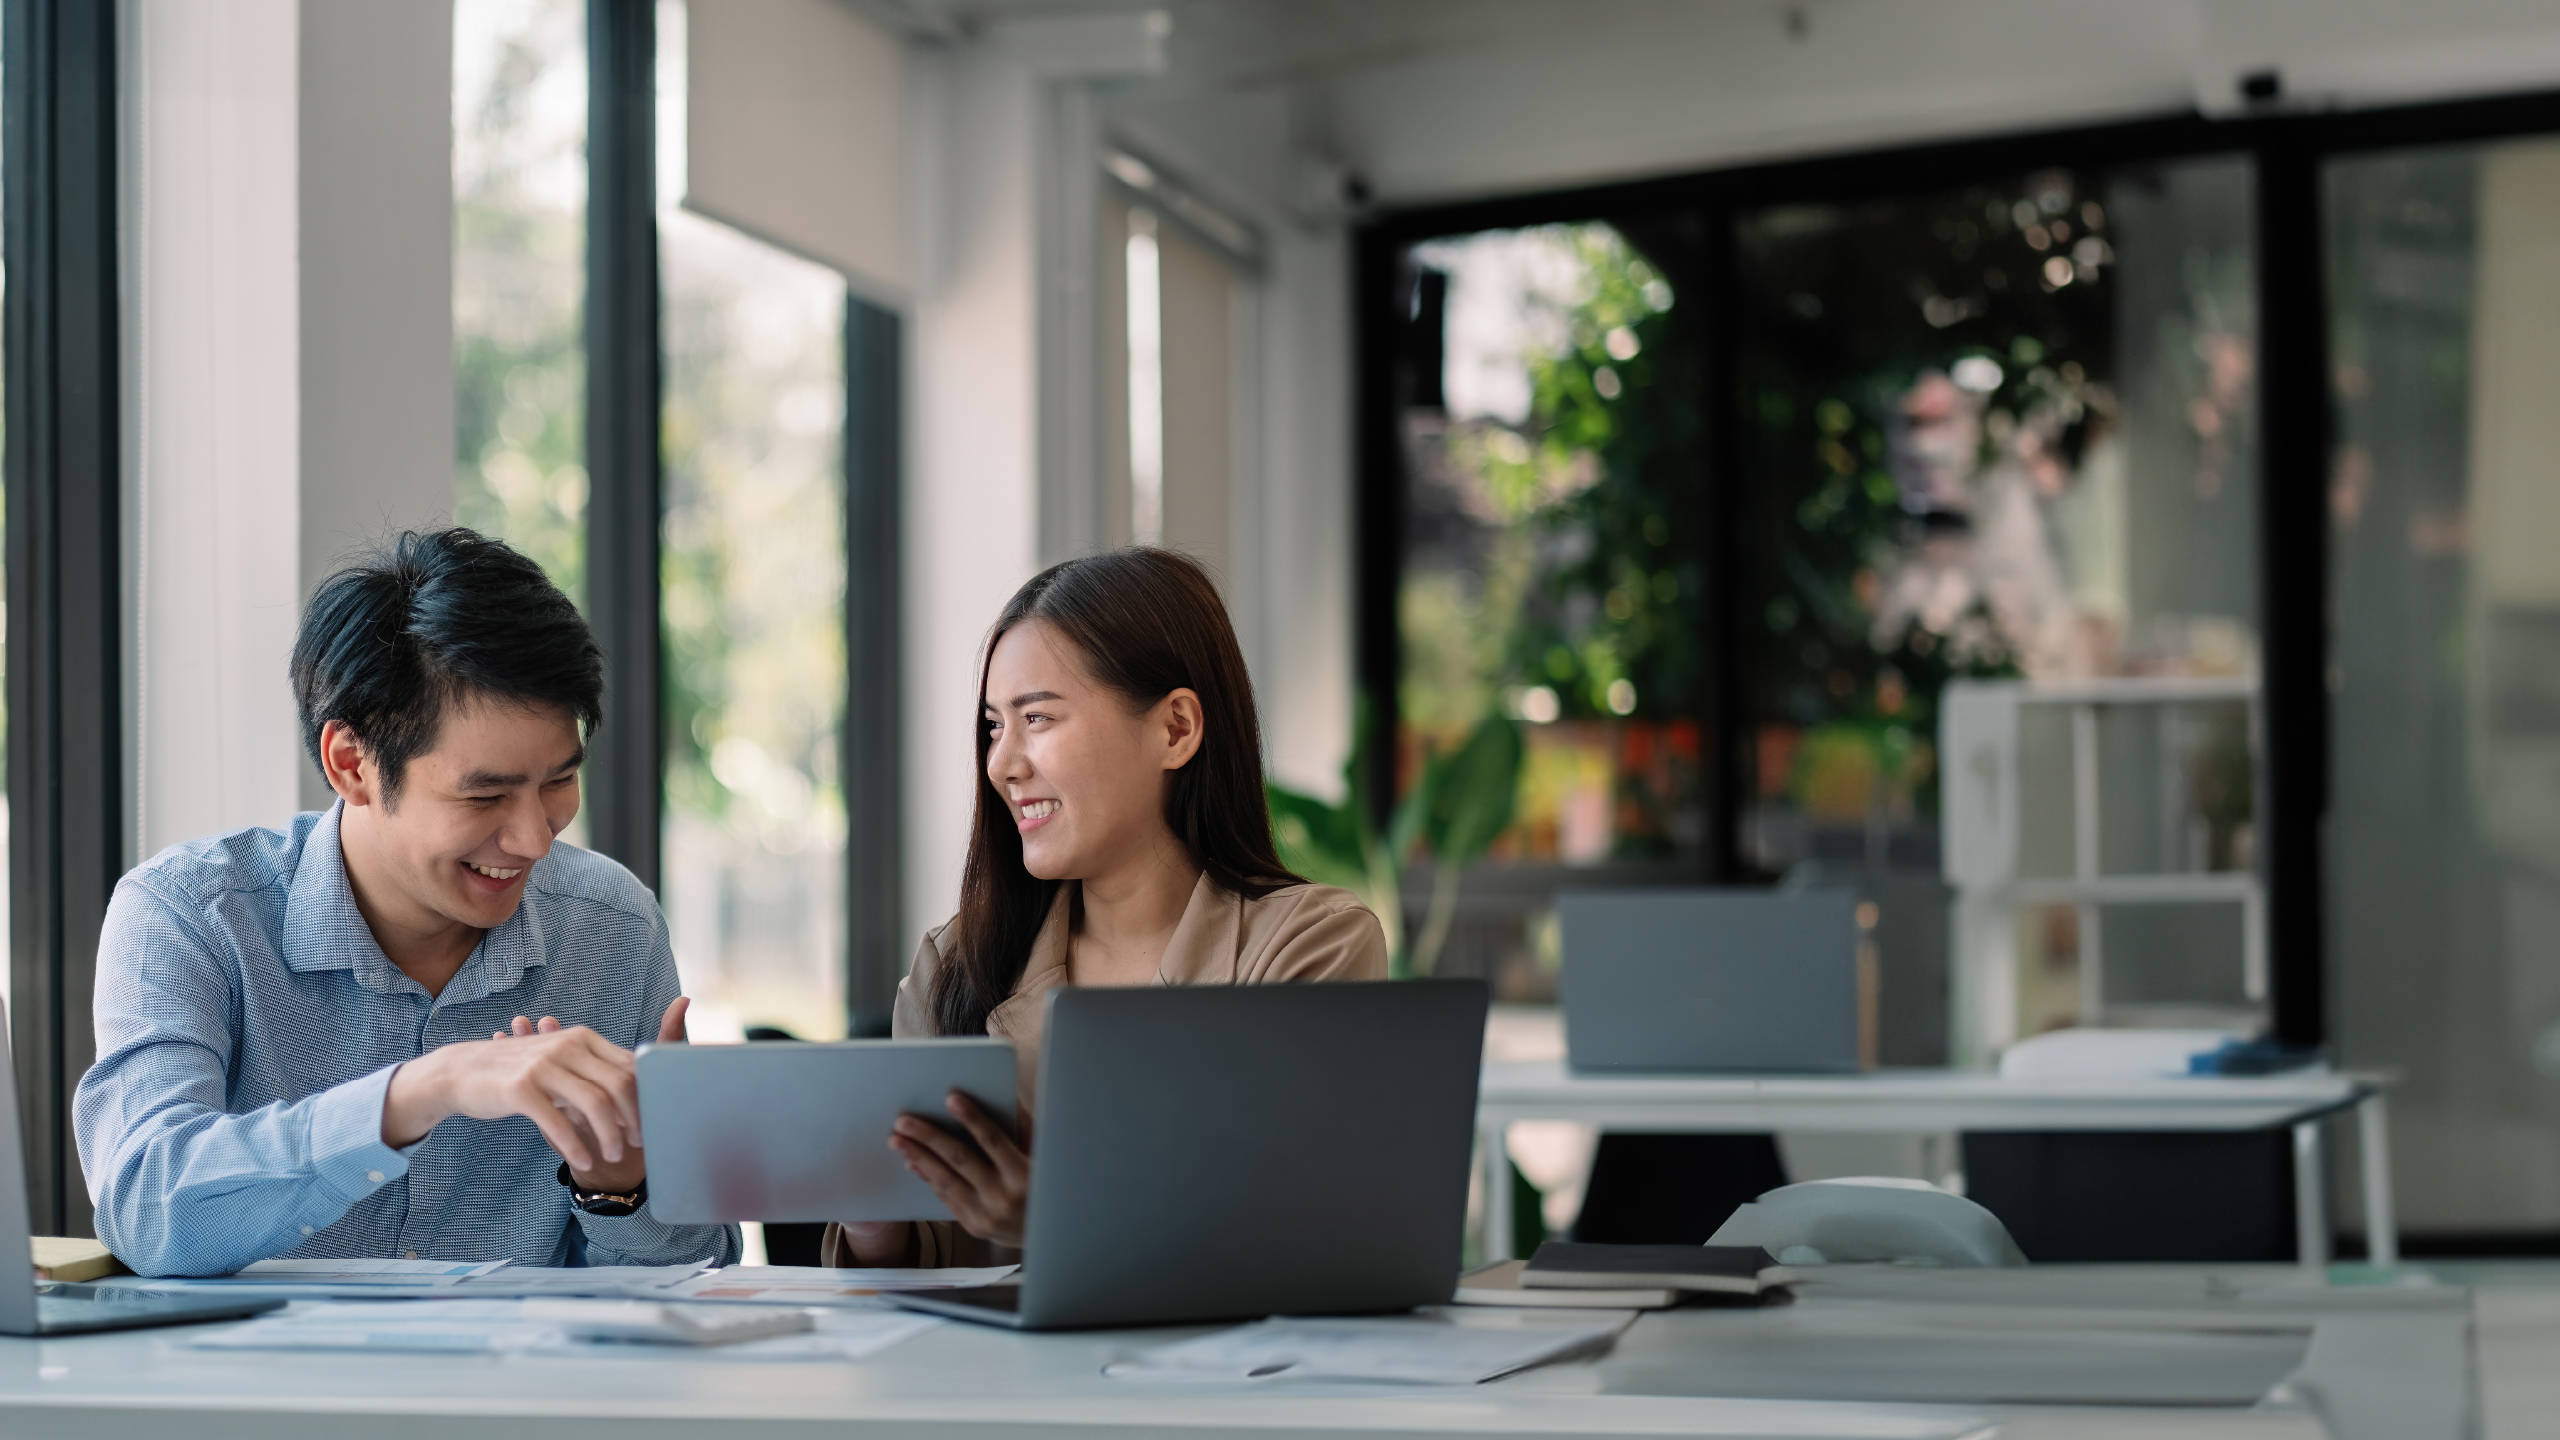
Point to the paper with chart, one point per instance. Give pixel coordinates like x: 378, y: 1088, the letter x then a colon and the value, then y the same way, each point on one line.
x: 395, y: 1274
x: 578, y: 1281
x: 1431, y: 1348
x: 819, y: 1285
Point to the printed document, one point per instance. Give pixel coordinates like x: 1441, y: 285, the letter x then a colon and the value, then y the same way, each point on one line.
x: 1429, y: 1348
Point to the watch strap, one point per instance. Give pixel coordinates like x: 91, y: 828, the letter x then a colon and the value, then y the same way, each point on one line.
x: 606, y: 1203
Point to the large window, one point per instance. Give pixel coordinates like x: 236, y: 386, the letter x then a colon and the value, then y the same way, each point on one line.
x: 2008, y: 431
x: 519, y: 276
x: 1552, y: 571
x: 2003, y: 430
x: 752, y: 562
x: 2444, y: 879
x: 750, y: 812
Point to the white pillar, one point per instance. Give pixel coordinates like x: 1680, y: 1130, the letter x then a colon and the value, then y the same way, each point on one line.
x: 212, y: 413
x: 288, y: 324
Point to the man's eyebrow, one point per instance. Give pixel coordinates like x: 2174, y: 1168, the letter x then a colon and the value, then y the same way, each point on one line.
x: 492, y: 780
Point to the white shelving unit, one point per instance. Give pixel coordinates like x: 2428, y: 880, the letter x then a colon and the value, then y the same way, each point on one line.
x: 1983, y: 805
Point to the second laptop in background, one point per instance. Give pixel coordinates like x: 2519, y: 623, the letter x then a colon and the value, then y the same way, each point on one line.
x: 1748, y: 980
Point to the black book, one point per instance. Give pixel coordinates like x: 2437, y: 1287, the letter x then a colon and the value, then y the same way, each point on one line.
x: 1715, y: 1269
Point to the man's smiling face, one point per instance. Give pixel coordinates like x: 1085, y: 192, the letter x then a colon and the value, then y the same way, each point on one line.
x: 473, y: 814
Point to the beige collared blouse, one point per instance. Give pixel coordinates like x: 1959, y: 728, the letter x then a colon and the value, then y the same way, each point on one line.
x: 1299, y: 933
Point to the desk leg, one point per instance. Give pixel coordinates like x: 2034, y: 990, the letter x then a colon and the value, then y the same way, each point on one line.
x: 2310, y: 1197
x: 1495, y: 1140
x: 2381, y: 1217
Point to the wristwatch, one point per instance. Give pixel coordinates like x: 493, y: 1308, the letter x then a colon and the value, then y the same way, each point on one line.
x: 604, y: 1202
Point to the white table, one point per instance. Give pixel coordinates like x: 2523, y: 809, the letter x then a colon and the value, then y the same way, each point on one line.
x: 1897, y: 1355
x: 1926, y: 1101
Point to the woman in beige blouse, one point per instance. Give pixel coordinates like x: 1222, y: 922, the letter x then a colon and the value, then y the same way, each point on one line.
x: 1121, y: 839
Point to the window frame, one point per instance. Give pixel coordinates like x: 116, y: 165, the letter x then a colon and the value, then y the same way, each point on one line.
x: 2287, y: 150
x: 59, y: 339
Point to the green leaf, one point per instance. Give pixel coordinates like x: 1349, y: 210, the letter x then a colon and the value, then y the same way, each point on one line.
x: 1477, y: 790
x: 1317, y: 840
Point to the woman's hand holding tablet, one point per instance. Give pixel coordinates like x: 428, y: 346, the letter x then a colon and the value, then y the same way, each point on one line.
x: 986, y: 1184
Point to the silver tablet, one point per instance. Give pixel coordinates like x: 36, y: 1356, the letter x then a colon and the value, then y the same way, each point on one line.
x: 784, y: 1130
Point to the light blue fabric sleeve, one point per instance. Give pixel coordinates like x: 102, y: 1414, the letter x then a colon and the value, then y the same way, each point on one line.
x: 641, y: 1238
x: 180, y: 1186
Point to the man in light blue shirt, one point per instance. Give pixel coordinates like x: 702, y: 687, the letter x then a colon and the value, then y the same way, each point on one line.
x: 317, y: 1040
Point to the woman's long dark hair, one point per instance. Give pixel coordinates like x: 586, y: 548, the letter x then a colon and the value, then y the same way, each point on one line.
x: 1148, y: 622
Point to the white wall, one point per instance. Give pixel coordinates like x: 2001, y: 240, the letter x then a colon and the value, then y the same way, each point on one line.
x: 1299, y: 615
x: 972, y: 478
x: 792, y: 132
x: 288, y: 363
x: 376, y: 197
x: 986, y: 244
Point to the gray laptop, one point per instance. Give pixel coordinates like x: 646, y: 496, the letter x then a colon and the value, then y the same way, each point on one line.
x: 1219, y: 1153
x: 1748, y: 980
x: 32, y: 1307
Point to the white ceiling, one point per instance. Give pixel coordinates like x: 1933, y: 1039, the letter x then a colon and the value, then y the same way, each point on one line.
x: 1264, y: 100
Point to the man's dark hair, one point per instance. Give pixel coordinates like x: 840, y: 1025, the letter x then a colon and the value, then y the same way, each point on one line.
x: 431, y: 620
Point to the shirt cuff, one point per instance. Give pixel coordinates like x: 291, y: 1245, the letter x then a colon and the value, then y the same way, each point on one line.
x: 346, y: 1137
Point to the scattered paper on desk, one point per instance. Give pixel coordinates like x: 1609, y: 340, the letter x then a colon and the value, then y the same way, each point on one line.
x: 839, y: 1334
x: 819, y: 1285
x: 397, y: 1273
x: 578, y: 1281
x: 481, y: 1327
x: 1433, y: 1348
x: 444, y: 1327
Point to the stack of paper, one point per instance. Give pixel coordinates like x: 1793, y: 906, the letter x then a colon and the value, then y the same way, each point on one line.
x: 1432, y: 1348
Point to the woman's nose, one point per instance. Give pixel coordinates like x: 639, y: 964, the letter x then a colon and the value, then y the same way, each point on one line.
x: 1005, y: 758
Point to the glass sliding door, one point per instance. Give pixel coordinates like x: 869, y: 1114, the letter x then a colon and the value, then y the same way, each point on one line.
x: 2006, y: 432
x: 2444, y: 840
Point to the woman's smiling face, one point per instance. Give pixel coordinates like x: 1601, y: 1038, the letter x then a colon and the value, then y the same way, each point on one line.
x: 1082, y: 774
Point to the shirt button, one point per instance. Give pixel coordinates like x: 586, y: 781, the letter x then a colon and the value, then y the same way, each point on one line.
x: 409, y: 1255
x: 306, y: 1229
x: 375, y: 1176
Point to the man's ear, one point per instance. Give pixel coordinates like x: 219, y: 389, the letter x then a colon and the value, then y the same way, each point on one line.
x: 348, y: 766
x: 1179, y: 712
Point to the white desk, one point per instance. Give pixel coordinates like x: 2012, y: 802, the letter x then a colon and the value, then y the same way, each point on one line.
x: 1891, y: 1354
x: 1940, y: 1100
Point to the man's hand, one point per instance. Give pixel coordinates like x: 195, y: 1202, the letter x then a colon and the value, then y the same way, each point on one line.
x: 986, y: 1184
x: 575, y: 1086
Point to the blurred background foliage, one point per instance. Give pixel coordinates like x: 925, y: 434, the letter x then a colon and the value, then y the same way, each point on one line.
x: 519, y: 279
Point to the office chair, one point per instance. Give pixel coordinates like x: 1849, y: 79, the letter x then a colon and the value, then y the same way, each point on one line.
x: 1673, y: 1189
